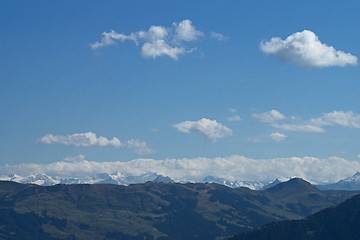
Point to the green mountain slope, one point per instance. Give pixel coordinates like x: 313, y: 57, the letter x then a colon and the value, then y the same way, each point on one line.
x: 152, y: 210
x: 335, y: 223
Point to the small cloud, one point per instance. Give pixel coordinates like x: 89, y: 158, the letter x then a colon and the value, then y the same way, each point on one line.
x: 278, y: 137
x: 157, y: 41
x: 217, y: 36
x: 75, y: 159
x: 90, y: 139
x: 139, y: 147
x: 305, y: 49
x: 154, y: 129
x: 209, y: 128
x: 269, y: 117
x: 233, y: 110
x: 358, y: 156
x: 252, y: 139
x: 234, y: 119
x: 110, y: 37
x: 299, y: 127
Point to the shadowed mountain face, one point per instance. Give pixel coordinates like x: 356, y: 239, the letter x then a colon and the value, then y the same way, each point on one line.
x: 152, y: 210
x: 335, y: 223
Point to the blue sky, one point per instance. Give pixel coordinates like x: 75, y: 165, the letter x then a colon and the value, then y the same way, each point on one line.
x: 211, y: 79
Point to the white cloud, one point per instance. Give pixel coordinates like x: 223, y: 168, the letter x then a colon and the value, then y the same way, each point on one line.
x: 157, y: 41
x: 209, y: 128
x: 299, y: 127
x: 358, y: 155
x: 109, y: 37
x: 81, y: 139
x: 185, y: 31
x: 269, y: 117
x: 160, y: 48
x: 217, y: 36
x: 90, y: 139
x: 278, y: 137
x: 345, y: 119
x: 235, y: 118
x: 304, y: 48
x: 335, y: 118
x: 233, y: 168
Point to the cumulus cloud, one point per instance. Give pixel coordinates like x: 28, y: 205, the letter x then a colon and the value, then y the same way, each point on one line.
x: 185, y: 31
x: 278, y: 137
x: 160, y: 48
x: 269, y: 117
x: 340, y: 118
x: 209, y: 128
x: 235, y: 167
x: 90, y: 139
x: 157, y: 41
x: 305, y: 48
x: 217, y: 36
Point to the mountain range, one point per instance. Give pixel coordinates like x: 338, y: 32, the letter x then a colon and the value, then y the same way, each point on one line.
x: 152, y: 210
x: 120, y: 179
x: 351, y: 183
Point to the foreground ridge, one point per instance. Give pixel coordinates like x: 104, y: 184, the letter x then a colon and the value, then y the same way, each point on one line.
x: 335, y: 223
x: 152, y: 210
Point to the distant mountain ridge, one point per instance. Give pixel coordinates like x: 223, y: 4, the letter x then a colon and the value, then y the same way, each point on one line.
x: 351, y: 183
x: 152, y: 210
x: 120, y: 179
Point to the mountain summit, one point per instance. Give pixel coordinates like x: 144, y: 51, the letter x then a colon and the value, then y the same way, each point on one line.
x: 293, y: 186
